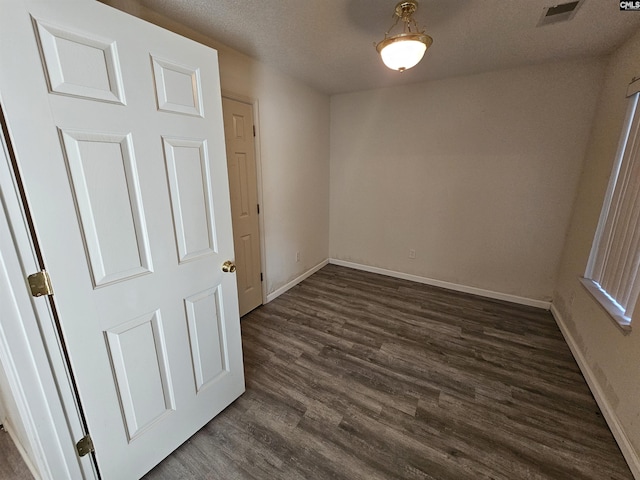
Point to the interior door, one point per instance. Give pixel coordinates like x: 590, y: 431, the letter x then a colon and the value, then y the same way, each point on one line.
x: 117, y: 130
x: 243, y: 185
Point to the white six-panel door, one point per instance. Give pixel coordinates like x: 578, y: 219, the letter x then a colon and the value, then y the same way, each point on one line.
x: 117, y: 129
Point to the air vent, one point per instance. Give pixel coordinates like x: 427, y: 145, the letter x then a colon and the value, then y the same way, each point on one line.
x: 559, y: 13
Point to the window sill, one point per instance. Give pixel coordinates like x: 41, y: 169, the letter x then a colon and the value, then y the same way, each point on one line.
x: 612, y: 310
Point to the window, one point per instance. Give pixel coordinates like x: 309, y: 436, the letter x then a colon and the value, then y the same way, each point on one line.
x: 614, y: 263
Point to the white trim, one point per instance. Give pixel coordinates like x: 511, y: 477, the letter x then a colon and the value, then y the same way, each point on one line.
x: 38, y: 464
x: 448, y: 285
x: 614, y: 252
x: 612, y: 309
x: 295, y: 281
x: 3, y: 414
x: 634, y: 86
x: 629, y: 453
x: 30, y: 352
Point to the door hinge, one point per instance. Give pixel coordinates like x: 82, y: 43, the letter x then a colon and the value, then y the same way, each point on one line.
x: 261, y: 277
x: 85, y: 446
x: 254, y: 130
x: 258, y: 209
x: 40, y: 284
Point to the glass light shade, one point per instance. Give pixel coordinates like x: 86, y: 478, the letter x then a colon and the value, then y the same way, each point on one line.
x: 403, y: 51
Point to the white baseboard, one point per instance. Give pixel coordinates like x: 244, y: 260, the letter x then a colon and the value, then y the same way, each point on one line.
x: 448, y: 285
x: 629, y: 453
x: 295, y: 281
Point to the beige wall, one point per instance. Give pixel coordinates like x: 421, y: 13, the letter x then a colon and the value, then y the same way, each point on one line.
x: 612, y: 358
x: 477, y: 174
x: 294, y: 152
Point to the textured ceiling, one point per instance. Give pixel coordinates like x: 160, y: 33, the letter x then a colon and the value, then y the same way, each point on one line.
x: 328, y: 44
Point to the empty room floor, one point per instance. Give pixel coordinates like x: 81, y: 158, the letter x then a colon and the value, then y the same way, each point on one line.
x: 12, y: 467
x: 352, y: 375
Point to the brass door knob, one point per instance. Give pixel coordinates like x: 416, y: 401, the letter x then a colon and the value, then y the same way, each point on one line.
x: 228, y: 267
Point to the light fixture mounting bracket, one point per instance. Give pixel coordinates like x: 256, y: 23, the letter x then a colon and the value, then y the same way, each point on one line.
x: 406, y: 9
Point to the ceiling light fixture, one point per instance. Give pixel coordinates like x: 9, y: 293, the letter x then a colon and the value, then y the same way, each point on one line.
x: 404, y: 50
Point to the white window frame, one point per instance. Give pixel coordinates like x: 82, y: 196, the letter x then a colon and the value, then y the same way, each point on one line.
x: 612, y: 274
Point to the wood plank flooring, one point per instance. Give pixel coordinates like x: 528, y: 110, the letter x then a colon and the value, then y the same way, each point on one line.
x: 352, y: 375
x: 12, y: 466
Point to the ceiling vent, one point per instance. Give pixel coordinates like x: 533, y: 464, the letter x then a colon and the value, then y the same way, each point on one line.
x: 559, y: 13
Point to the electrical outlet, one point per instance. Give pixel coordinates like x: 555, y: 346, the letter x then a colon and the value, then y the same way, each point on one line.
x: 412, y: 253
x: 297, y: 256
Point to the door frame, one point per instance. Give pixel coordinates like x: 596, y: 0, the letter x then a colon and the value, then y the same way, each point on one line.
x: 33, y: 358
x: 41, y: 387
x: 256, y: 146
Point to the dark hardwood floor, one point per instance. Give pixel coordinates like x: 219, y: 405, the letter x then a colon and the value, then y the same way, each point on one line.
x: 352, y: 375
x: 12, y: 466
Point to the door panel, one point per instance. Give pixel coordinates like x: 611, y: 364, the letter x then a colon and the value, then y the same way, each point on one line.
x: 138, y: 354
x: 178, y: 87
x: 191, y: 197
x: 118, y: 134
x: 243, y: 184
x: 80, y: 65
x: 104, y: 181
x: 208, y: 351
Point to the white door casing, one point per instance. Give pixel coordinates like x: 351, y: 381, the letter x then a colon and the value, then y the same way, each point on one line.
x: 42, y: 409
x: 3, y: 382
x: 119, y: 140
x: 243, y: 186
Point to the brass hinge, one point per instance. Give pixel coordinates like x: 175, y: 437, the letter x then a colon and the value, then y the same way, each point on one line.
x: 258, y: 209
x: 40, y: 284
x: 254, y: 130
x: 85, y: 446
